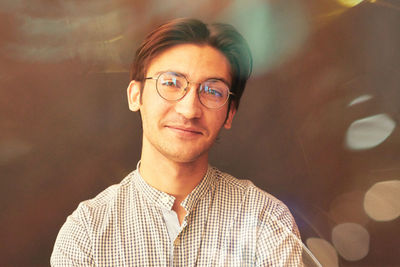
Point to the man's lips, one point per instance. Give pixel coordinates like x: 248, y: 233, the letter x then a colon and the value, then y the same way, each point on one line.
x: 185, y: 129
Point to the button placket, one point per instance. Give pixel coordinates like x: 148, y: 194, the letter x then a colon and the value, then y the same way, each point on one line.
x: 177, y: 240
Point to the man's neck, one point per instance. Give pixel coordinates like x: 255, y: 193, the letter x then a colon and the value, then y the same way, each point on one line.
x: 174, y: 178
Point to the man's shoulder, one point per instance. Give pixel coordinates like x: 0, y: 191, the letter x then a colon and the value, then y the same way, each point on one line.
x: 247, y: 190
x: 75, y: 238
x: 111, y: 196
x: 252, y: 204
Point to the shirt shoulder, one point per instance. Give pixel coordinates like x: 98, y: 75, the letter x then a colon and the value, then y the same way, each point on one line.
x: 247, y: 190
x: 257, y: 203
x: 98, y: 211
x: 74, y: 243
x: 111, y: 194
x: 263, y: 217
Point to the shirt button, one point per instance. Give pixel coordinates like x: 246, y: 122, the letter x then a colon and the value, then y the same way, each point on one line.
x: 177, y: 241
x: 165, y: 200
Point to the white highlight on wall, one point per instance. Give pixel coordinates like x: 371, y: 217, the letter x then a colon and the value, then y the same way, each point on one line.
x: 360, y: 99
x: 369, y: 132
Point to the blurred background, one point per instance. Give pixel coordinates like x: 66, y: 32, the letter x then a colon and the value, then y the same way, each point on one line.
x: 317, y: 126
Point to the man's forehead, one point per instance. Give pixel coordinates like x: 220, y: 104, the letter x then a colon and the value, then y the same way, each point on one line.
x: 193, y: 61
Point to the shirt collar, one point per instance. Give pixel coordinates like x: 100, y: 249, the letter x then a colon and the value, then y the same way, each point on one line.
x: 165, y: 200
x: 200, y: 190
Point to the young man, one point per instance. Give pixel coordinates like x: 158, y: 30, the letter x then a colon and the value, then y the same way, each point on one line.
x: 175, y: 209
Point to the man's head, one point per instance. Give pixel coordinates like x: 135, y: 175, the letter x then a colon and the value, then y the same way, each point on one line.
x: 204, y: 60
x: 222, y: 37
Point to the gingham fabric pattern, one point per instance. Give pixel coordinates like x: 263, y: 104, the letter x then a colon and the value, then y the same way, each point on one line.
x: 229, y: 222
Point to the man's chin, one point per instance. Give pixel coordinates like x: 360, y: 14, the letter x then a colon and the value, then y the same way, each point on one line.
x: 184, y: 159
x: 182, y: 156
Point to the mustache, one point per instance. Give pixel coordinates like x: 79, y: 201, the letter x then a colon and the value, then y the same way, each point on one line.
x: 184, y: 123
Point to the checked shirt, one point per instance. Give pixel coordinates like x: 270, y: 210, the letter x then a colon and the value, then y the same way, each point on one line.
x: 229, y: 222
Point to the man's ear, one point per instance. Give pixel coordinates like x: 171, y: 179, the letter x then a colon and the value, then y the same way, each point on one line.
x: 231, y: 114
x: 133, y: 92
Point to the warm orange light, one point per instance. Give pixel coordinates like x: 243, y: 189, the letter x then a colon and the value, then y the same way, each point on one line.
x: 350, y: 3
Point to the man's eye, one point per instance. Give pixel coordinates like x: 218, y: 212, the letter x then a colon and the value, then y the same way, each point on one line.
x: 213, y: 92
x: 171, y: 83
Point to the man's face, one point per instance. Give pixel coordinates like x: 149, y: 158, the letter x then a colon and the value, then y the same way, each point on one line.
x: 182, y: 131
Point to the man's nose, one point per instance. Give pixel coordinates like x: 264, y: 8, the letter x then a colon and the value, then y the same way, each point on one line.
x: 189, y: 106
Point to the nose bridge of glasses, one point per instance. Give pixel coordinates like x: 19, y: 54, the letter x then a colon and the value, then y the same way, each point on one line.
x: 196, y: 86
x: 189, y: 84
x: 188, y: 87
x: 189, y: 105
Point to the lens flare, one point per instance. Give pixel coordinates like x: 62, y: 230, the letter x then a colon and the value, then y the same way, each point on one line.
x: 275, y: 30
x: 323, y: 251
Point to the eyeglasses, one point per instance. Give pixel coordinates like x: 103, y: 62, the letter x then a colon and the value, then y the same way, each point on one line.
x: 173, y: 86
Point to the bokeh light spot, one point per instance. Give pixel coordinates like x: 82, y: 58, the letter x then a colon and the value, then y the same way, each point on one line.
x: 323, y: 251
x: 275, y: 31
x: 351, y: 241
x: 369, y: 132
x: 382, y: 201
x: 348, y: 207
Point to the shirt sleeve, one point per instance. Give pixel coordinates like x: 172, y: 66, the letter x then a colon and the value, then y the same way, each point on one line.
x: 278, y: 242
x: 73, y: 246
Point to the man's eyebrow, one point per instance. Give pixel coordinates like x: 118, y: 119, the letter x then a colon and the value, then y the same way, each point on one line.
x: 219, y: 79
x: 169, y: 71
x: 183, y: 75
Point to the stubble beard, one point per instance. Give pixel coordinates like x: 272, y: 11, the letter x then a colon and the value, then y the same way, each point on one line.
x: 188, y: 153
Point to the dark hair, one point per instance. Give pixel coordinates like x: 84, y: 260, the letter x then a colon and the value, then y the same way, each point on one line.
x: 223, y: 37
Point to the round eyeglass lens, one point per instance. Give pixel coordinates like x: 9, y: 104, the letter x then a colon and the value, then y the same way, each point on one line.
x: 171, y: 86
x: 213, y: 94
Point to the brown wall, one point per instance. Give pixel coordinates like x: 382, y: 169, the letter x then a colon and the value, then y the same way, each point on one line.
x: 66, y: 132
